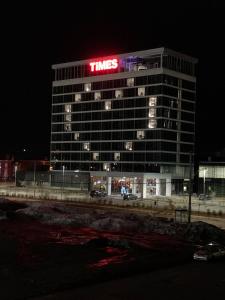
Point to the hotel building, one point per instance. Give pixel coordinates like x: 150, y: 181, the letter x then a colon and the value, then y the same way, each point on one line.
x: 127, y: 120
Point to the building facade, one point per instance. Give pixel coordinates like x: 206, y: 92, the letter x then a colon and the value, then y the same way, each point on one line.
x: 127, y: 120
x: 212, y: 178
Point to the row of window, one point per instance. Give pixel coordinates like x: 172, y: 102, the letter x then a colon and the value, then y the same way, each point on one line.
x: 126, y: 93
x: 125, y: 82
x: 121, y: 146
x: 110, y: 115
x: 134, y: 103
x: 96, y: 156
x: 134, y: 165
x: 150, y: 123
x: 118, y: 167
x: 123, y: 135
x: 152, y: 101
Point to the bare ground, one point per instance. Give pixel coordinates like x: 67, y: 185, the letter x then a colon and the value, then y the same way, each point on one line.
x: 47, y: 248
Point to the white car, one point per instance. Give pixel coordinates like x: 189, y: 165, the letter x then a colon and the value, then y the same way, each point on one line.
x: 209, y: 252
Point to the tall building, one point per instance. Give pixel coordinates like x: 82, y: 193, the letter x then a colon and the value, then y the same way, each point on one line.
x: 127, y: 120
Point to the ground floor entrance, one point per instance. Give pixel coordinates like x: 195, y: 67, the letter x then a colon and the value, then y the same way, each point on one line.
x: 143, y: 185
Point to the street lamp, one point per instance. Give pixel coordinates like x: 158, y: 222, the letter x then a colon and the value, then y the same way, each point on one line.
x: 15, y: 168
x: 63, y: 168
x: 34, y: 173
x: 190, y: 187
x: 63, y: 175
x: 204, y: 171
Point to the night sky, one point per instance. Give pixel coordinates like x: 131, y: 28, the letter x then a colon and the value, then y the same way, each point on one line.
x: 33, y: 37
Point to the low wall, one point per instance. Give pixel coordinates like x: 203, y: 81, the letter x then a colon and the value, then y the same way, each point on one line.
x: 214, y: 206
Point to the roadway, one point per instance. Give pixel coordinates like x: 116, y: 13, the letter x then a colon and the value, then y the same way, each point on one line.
x: 195, y: 280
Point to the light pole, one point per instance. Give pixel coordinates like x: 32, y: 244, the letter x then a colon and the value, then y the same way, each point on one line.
x: 34, y: 177
x: 63, y: 175
x: 190, y: 188
x: 15, y: 168
x: 204, y: 171
x: 34, y: 172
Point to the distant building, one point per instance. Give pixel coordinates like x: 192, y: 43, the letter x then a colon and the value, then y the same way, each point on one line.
x: 212, y: 178
x: 127, y: 120
x: 6, y: 170
x: 32, y: 172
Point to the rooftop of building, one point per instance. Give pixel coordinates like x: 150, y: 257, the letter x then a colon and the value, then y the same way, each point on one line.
x: 141, y: 54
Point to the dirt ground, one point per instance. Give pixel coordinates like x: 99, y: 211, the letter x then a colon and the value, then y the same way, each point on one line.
x: 202, y: 281
x: 38, y: 259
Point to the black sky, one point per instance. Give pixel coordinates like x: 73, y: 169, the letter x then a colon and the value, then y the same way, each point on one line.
x: 35, y: 36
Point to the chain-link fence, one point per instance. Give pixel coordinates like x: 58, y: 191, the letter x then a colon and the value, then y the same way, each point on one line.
x: 73, y: 180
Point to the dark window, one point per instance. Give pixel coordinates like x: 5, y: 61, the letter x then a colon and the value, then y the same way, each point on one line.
x: 189, y: 85
x: 187, y: 116
x: 188, y: 95
x: 187, y: 127
x: 187, y: 105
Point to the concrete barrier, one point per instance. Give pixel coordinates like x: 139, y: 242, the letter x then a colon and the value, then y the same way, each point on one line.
x: 213, y: 206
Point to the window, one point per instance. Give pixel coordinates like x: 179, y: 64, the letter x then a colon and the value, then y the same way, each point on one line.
x: 76, y: 136
x: 130, y: 81
x: 106, y: 166
x: 87, y: 87
x: 152, y: 112
x: 118, y: 93
x: 67, y: 127
x: 152, y: 123
x: 95, y: 156
x: 140, y: 134
x: 77, y: 97
x: 107, y: 105
x: 141, y: 91
x: 128, y: 146
x: 141, y: 67
x: 167, y: 124
x: 68, y: 117
x: 97, y: 95
x: 86, y: 146
x: 116, y: 156
x: 68, y: 107
x: 152, y: 101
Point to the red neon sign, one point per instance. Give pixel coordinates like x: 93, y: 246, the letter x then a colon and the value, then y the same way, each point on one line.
x: 104, y: 65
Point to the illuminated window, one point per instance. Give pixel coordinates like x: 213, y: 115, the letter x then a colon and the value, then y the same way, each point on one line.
x: 128, y: 146
x: 130, y: 81
x: 152, y: 101
x: 118, y: 93
x: 68, y: 117
x: 140, y: 134
x: 68, y: 107
x: 152, y: 112
x: 76, y: 136
x: 106, y: 166
x: 97, y: 95
x: 167, y: 124
x: 95, y: 156
x: 77, y: 97
x: 152, y: 123
x: 107, y: 105
x: 86, y: 146
x: 141, y: 67
x: 141, y: 91
x: 67, y: 127
x: 117, y: 156
x: 87, y: 87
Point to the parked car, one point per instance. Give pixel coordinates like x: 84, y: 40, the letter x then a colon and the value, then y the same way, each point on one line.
x: 97, y: 193
x: 209, y: 252
x: 129, y: 197
x: 204, y: 197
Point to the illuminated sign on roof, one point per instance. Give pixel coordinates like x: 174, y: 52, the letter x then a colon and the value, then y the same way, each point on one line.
x: 104, y: 65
